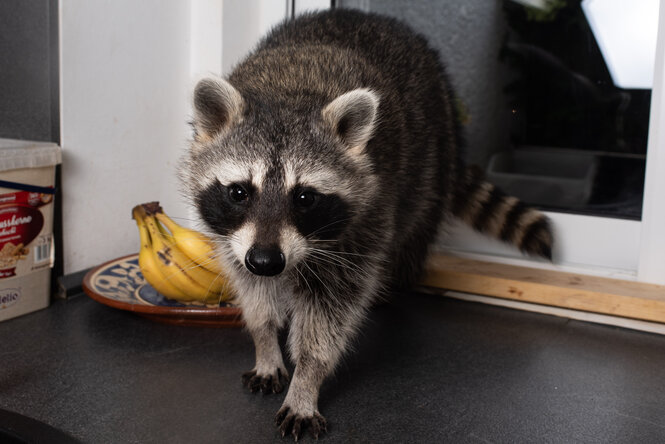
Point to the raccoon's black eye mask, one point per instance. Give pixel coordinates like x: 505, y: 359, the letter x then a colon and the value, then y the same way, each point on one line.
x: 317, y: 215
x: 224, y: 208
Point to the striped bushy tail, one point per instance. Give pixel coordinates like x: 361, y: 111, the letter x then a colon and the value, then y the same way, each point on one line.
x: 488, y: 210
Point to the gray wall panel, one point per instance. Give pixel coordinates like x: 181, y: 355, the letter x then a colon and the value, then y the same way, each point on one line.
x: 28, y: 70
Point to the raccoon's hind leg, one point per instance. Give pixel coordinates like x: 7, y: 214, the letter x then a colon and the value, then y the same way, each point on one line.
x: 264, y: 316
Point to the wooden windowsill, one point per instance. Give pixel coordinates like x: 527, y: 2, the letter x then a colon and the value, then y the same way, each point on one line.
x: 613, y: 297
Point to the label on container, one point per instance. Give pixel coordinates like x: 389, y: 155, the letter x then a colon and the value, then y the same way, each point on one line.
x: 9, y: 297
x: 25, y: 244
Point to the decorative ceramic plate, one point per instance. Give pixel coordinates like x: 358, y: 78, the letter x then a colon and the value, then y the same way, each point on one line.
x: 120, y: 284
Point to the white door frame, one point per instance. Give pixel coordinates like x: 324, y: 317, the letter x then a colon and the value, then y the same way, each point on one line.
x: 652, y: 249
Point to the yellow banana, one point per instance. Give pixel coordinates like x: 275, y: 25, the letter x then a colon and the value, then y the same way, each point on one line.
x: 150, y: 268
x: 197, y: 272
x: 197, y: 284
x: 195, y: 245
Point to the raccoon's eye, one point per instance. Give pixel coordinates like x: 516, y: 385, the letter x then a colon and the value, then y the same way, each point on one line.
x: 237, y: 193
x: 306, y: 199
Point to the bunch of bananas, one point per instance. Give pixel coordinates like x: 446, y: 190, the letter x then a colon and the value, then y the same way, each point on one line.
x: 178, y: 262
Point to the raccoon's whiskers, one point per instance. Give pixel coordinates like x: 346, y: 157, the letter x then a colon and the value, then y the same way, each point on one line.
x: 202, y: 263
x: 303, y: 278
x: 183, y: 218
x: 324, y: 261
x: 360, y: 255
x: 224, y: 289
x: 331, y: 259
x: 218, y: 241
x: 315, y: 252
x: 330, y: 293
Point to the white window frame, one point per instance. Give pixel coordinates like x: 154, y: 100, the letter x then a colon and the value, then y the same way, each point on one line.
x: 633, y: 250
x: 651, y: 266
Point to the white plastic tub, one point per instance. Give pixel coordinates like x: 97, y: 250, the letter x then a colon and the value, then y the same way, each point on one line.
x: 27, y: 187
x: 562, y: 178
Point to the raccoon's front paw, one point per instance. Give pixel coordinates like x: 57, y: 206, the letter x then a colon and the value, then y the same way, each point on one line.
x: 290, y: 421
x: 270, y: 383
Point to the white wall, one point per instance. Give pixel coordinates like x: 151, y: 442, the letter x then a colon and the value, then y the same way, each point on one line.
x: 125, y: 85
x: 245, y: 21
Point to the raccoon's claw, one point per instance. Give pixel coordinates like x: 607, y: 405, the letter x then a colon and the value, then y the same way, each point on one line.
x: 289, y: 422
x: 266, y: 383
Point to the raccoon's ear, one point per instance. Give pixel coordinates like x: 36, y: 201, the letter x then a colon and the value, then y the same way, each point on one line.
x: 217, y: 105
x: 352, y: 116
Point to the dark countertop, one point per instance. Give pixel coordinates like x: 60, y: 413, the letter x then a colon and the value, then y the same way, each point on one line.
x: 425, y: 369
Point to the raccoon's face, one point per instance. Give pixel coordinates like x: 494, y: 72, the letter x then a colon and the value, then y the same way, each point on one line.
x: 274, y: 189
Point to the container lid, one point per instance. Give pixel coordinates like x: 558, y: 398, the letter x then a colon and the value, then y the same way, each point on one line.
x: 15, y: 154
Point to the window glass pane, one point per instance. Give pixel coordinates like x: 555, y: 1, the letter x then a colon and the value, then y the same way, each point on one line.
x: 555, y: 94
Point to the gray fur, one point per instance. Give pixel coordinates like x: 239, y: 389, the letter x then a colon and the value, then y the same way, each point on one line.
x: 355, y: 110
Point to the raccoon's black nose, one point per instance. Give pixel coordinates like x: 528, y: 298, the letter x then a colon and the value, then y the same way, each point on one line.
x: 267, y: 261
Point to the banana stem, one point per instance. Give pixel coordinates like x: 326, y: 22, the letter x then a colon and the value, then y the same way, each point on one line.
x: 152, y: 208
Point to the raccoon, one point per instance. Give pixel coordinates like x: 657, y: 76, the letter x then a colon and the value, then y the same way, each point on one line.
x: 322, y: 167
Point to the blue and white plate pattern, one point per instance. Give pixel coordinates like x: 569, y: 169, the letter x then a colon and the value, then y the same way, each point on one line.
x: 121, y: 280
